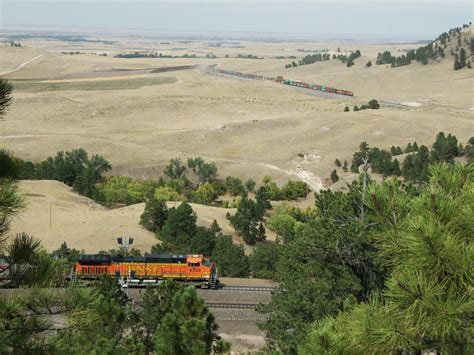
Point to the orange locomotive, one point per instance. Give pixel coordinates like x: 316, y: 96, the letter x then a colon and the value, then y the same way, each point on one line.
x: 149, y: 269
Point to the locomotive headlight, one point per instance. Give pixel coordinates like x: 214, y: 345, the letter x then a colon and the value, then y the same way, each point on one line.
x: 206, y: 277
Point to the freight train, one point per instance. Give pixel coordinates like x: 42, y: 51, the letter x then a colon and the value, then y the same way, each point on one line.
x: 323, y: 88
x: 140, y: 271
x: 280, y: 80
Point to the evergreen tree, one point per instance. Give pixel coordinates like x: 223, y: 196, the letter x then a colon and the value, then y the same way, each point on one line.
x: 246, y: 220
x: 334, y: 176
x: 230, y: 258
x: 264, y: 259
x: 344, y: 166
x: 425, y: 303
x: 155, y: 215
x: 373, y: 104
x: 330, y: 260
x: 180, y: 227
x: 189, y: 328
x: 6, y: 90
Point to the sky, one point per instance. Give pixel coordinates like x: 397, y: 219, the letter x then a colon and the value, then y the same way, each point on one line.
x: 369, y: 19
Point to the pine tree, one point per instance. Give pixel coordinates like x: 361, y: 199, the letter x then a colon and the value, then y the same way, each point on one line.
x: 426, y: 301
x: 155, y: 215
x: 334, y: 176
x: 6, y: 90
x: 462, y: 57
x: 344, y: 166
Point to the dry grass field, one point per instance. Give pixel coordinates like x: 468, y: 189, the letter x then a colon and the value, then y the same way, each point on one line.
x: 138, y: 119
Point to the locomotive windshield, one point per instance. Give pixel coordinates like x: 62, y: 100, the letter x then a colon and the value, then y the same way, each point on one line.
x: 206, y: 262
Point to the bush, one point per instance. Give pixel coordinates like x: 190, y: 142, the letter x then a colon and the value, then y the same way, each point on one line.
x: 205, y: 194
x: 8, y: 167
x: 273, y: 192
x: 346, y: 109
x: 294, y: 190
x: 373, y: 104
x: 284, y: 225
x: 250, y: 185
x: 344, y: 166
x: 178, y: 185
x: 165, y: 193
x: 234, y: 186
x: 125, y: 190
x: 334, y: 176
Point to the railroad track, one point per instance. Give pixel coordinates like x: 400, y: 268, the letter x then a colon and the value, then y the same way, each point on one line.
x: 232, y: 305
x: 247, y: 288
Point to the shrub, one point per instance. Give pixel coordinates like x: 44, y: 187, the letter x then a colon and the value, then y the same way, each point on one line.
x: 250, y: 185
x: 374, y: 104
x: 234, y: 186
x: 294, y: 190
x: 124, y: 190
x: 205, y: 194
x: 165, y: 193
x: 283, y: 224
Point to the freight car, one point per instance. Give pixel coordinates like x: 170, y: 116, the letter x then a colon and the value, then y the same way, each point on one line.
x: 322, y: 88
x: 148, y: 269
x: 280, y: 80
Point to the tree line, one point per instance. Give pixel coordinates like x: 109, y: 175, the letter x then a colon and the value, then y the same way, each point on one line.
x: 310, y: 59
x: 433, y: 50
x: 348, y: 59
x: 194, y: 180
x: 371, y: 105
x: 414, y: 167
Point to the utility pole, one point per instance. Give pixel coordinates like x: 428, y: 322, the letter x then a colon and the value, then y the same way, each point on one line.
x: 125, y: 243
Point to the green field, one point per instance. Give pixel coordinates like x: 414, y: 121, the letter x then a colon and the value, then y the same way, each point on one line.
x: 100, y: 85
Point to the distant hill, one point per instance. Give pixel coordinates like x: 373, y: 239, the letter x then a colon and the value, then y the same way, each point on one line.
x: 457, y: 45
